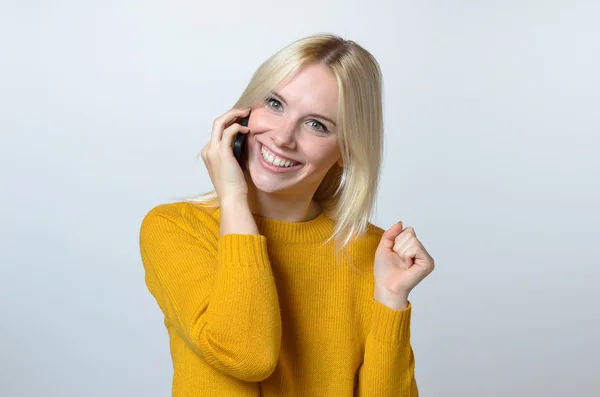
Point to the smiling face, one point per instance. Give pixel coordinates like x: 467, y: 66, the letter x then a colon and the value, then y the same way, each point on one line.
x: 297, y: 123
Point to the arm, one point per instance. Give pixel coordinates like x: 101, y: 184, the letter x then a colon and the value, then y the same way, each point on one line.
x: 401, y: 262
x: 388, y: 365
x: 221, y: 300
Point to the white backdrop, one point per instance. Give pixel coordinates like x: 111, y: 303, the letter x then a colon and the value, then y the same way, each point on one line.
x: 492, y: 155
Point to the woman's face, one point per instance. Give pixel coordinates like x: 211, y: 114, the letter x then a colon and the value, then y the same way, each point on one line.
x: 298, y: 122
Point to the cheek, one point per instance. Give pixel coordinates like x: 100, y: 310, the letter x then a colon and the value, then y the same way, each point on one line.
x: 325, y: 155
x: 261, y: 120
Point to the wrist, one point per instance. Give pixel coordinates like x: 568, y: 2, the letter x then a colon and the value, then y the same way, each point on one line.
x: 236, y: 218
x: 393, y: 301
x: 234, y: 201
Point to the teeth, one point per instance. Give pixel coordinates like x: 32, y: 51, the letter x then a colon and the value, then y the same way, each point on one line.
x: 276, y: 160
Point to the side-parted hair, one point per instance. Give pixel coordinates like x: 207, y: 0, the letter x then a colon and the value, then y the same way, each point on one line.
x: 347, y: 194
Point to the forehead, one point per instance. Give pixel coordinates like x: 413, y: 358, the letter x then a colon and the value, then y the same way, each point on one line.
x: 312, y: 88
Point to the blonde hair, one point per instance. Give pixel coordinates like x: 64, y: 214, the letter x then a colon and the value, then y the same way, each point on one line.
x: 346, y: 194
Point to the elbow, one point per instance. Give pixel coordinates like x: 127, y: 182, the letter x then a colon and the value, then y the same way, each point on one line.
x: 250, y: 368
x: 256, y: 371
x: 251, y: 363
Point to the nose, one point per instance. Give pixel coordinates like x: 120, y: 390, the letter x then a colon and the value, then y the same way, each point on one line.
x: 286, y: 135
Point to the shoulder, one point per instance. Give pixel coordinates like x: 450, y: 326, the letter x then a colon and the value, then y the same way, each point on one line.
x: 367, y: 242
x: 374, y: 230
x: 179, y: 216
x: 372, y: 236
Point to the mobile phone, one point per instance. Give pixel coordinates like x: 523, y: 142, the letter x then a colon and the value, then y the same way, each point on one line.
x: 239, y: 143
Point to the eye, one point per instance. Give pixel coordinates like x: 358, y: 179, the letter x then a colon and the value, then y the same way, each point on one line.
x: 273, y: 103
x: 319, y: 126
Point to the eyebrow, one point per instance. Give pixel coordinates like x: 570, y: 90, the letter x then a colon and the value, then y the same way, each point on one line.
x: 275, y: 94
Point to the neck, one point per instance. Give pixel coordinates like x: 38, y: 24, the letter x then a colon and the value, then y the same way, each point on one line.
x: 281, y: 207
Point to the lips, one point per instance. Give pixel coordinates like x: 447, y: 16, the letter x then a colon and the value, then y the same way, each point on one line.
x: 274, y: 168
x: 278, y: 154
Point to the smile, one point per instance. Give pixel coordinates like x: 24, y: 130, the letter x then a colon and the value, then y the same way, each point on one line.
x: 275, y: 163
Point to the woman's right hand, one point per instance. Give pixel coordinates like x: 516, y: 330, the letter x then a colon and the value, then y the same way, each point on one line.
x: 225, y: 172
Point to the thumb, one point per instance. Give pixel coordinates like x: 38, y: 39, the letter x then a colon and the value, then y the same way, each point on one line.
x: 388, y: 237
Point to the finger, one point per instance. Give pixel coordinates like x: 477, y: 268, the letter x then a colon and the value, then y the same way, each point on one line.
x: 229, y: 133
x: 421, y: 268
x: 409, y: 253
x: 409, y: 230
x: 222, y: 121
x: 388, y: 237
x: 404, y: 239
x: 423, y: 257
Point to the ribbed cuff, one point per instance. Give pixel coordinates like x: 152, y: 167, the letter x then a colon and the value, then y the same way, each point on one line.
x: 243, y: 251
x: 389, y: 325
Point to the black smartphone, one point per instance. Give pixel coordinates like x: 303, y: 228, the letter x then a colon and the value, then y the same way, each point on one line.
x: 239, y: 143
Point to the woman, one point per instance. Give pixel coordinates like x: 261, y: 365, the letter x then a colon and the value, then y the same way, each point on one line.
x: 256, y: 300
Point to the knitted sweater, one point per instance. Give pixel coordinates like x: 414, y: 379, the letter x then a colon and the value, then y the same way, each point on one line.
x: 273, y: 314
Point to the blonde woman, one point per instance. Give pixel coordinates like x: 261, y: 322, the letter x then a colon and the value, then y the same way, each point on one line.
x: 256, y: 299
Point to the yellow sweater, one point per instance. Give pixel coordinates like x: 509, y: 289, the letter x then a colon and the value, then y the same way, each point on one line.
x: 272, y: 314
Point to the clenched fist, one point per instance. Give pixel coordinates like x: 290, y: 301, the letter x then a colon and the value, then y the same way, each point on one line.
x: 401, y: 262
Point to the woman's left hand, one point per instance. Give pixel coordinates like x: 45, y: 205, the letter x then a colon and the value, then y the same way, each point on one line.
x: 401, y: 262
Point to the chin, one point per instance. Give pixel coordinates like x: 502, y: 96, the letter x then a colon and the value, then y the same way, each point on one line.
x: 265, y: 183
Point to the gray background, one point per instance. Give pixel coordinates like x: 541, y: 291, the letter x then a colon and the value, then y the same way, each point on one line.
x: 492, y: 143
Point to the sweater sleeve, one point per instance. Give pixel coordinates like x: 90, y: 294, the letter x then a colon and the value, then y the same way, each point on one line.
x: 223, y: 303
x: 388, y: 365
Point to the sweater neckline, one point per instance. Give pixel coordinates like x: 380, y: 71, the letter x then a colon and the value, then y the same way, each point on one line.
x: 319, y: 228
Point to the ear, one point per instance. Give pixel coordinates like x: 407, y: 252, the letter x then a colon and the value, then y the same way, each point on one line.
x: 341, y: 163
